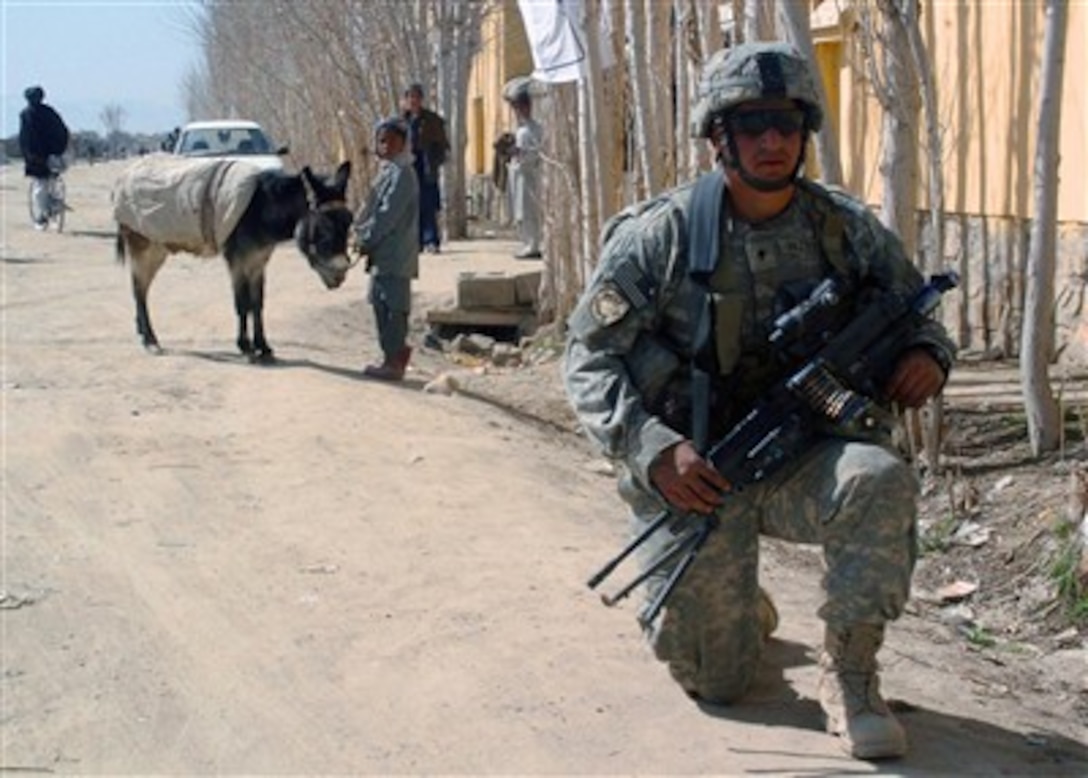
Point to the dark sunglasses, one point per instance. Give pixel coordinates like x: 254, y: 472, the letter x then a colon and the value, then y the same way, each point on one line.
x: 786, y: 121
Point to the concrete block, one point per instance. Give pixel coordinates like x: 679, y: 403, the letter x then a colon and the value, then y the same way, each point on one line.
x: 485, y: 290
x: 527, y: 288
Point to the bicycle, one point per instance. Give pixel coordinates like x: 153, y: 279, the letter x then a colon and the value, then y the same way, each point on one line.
x: 49, y: 205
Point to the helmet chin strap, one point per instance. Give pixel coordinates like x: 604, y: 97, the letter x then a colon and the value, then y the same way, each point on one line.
x: 762, y: 184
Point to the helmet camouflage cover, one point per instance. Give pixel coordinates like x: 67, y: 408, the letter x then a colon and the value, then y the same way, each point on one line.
x: 754, y: 71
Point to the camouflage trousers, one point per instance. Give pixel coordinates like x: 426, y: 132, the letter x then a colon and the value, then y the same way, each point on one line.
x: 858, y: 500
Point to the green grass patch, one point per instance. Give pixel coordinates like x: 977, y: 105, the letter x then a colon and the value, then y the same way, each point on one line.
x: 938, y: 536
x: 1063, y: 571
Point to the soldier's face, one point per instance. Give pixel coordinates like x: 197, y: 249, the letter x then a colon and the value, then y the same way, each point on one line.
x: 768, y: 135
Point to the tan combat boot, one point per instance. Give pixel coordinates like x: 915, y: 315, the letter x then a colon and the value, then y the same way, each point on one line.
x: 850, y: 694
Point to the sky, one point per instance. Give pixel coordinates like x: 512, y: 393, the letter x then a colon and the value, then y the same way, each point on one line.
x: 88, y: 54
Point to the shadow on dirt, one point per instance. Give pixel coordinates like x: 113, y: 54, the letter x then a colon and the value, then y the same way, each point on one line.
x: 352, y: 373
x: 356, y: 374
x: 940, y: 743
x: 103, y: 234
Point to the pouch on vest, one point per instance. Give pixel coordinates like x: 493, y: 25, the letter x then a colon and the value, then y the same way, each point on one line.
x: 729, y: 310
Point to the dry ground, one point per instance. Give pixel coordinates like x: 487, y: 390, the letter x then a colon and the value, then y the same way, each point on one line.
x: 994, y: 520
x: 215, y: 568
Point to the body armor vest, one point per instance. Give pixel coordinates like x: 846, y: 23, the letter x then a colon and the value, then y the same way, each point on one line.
x: 758, y: 271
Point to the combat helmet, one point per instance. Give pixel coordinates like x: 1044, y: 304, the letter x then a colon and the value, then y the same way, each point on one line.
x: 754, y: 71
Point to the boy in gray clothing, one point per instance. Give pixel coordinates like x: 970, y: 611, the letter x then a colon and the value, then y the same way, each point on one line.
x: 386, y: 232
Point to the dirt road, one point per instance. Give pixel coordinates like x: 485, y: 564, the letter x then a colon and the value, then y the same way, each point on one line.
x: 216, y: 568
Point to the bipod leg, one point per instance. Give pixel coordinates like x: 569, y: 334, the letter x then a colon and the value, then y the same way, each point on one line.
x: 681, y: 545
x: 693, y: 544
x: 659, y: 521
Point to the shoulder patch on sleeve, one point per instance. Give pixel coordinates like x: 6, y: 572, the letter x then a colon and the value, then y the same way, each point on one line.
x: 608, y: 306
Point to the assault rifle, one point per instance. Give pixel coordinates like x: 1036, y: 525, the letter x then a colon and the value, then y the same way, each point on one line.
x: 834, y: 386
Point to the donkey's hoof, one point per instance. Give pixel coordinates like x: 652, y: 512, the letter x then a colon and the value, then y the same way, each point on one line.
x: 265, y: 357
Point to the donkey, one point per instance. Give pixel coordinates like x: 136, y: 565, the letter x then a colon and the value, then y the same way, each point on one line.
x: 165, y: 205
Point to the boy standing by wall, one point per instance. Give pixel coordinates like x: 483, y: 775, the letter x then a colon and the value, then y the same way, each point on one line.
x: 386, y: 231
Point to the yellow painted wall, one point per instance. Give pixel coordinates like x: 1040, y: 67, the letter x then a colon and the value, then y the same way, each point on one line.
x: 987, y: 93
x: 504, y: 54
x: 829, y: 61
x: 987, y: 66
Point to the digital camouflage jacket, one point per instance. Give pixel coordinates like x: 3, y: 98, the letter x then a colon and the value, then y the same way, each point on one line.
x: 631, y: 336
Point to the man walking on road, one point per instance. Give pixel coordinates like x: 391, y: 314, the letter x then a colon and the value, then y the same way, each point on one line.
x: 643, y: 326
x: 42, y: 135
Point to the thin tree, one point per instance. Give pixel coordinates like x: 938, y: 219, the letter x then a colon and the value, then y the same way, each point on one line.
x: 662, y: 117
x: 759, y: 19
x: 458, y: 28
x: 900, y: 76
x: 1037, y: 336
x: 796, y: 20
x: 649, y: 161
x: 685, y: 78
x: 900, y: 99
x: 908, y: 18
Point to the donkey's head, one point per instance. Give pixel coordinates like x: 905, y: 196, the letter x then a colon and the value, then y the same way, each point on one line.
x: 322, y: 233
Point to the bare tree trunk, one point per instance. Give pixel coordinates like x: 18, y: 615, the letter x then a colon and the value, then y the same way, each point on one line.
x: 459, y: 40
x: 1037, y: 335
x: 908, y: 18
x: 896, y: 35
x: 615, y: 87
x: 682, y: 74
x: 737, y: 7
x: 758, y: 20
x: 658, y: 28
x: 934, y: 146
x: 710, y: 29
x: 796, y: 20
x: 705, y: 41
x: 589, y: 194
x: 592, y: 140
x: 564, y: 273
x: 644, y: 164
x: 899, y: 156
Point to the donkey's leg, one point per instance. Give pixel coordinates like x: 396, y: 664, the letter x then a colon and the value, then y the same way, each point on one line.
x: 145, y: 257
x: 247, y: 275
x: 261, y: 349
x: 241, y: 308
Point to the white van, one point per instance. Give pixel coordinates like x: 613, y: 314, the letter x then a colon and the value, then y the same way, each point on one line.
x: 236, y: 139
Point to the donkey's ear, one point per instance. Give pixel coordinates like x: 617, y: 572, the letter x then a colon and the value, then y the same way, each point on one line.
x: 343, y: 173
x: 311, y: 185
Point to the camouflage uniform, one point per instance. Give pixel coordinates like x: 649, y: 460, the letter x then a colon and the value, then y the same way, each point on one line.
x: 627, y: 368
